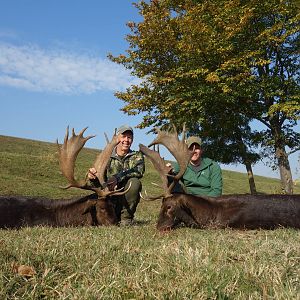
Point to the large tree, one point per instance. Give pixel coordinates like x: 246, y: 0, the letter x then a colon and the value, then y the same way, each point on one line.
x: 197, y: 58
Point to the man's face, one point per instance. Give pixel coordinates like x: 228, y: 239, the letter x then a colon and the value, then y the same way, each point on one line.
x: 126, y: 140
x: 197, y: 152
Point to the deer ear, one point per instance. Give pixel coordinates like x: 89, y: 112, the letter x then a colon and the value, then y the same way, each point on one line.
x: 89, y: 205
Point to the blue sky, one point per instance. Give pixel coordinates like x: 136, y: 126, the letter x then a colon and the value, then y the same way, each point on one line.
x: 54, y: 71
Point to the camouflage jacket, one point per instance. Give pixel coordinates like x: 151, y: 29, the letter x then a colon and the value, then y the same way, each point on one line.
x: 131, y: 165
x: 123, y: 168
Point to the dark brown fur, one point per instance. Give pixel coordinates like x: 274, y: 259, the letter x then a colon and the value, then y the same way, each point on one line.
x: 235, y: 211
x: 20, y: 211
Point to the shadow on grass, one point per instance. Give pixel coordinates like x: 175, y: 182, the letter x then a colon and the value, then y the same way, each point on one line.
x: 140, y: 222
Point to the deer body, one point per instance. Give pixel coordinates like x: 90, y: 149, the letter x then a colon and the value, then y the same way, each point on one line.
x: 20, y: 211
x: 234, y: 211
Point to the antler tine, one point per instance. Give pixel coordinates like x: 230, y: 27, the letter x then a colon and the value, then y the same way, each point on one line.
x: 116, y: 192
x: 106, y: 138
x: 183, y: 132
x: 160, y: 166
x: 81, y: 134
x: 66, y: 135
x: 147, y: 198
x: 68, y: 153
x: 175, y: 130
x: 103, y: 159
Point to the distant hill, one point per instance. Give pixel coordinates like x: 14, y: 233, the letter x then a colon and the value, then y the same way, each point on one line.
x: 30, y: 167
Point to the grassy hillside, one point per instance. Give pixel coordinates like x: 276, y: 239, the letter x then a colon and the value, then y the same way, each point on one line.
x: 136, y: 262
x: 31, y: 168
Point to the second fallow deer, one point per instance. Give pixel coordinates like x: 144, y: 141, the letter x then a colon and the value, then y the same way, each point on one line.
x: 234, y: 211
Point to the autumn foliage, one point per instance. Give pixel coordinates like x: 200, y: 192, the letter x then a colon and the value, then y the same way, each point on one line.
x: 218, y: 66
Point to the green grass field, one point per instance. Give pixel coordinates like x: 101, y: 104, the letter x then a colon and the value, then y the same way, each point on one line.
x: 136, y: 262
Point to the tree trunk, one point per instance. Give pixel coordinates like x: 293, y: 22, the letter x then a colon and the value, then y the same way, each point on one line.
x: 247, y: 163
x: 285, y: 170
x: 250, y: 178
x: 282, y: 157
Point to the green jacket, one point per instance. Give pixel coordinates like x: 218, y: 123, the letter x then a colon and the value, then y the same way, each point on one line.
x: 206, y: 181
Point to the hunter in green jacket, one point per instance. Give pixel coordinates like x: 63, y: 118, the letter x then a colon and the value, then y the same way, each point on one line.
x: 203, y: 176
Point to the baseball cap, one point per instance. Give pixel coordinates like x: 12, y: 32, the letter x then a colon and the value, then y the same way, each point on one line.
x: 193, y: 140
x: 124, y: 128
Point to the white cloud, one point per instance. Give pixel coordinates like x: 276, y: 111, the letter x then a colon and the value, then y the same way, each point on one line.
x: 33, y: 68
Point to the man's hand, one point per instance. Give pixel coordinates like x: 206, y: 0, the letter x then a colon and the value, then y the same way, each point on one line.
x: 92, y: 174
x: 112, y: 183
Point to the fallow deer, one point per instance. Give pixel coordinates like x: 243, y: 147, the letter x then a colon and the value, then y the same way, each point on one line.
x: 96, y: 209
x: 235, y: 211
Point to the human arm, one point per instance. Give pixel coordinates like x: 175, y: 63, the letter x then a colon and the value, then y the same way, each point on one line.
x: 216, y: 180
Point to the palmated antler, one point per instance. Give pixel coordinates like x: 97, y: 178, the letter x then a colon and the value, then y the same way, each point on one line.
x: 102, y: 159
x: 68, y: 153
x: 160, y: 165
x: 177, y: 148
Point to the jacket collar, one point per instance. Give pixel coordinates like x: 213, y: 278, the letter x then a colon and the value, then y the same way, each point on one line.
x: 115, y: 155
x: 205, y: 162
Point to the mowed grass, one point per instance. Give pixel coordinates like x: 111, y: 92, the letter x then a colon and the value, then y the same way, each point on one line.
x: 136, y: 262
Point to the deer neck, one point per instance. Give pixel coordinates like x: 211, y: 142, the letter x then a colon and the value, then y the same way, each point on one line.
x: 207, y: 210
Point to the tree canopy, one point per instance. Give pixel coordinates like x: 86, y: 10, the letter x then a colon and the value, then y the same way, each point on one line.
x: 218, y: 65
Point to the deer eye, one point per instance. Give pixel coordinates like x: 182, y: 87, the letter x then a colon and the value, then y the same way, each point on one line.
x: 169, y: 207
